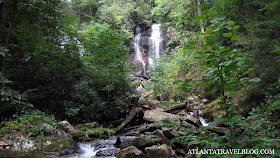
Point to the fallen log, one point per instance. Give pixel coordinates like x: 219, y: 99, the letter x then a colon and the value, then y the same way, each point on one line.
x: 130, y: 117
x: 176, y: 108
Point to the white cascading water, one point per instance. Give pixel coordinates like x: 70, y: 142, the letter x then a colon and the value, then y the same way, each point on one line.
x: 155, y: 44
x: 139, y: 52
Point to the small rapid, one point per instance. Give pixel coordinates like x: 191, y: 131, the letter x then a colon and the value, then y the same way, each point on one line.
x: 101, y: 148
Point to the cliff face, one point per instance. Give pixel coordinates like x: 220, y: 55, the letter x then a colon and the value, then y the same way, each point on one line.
x: 148, y: 44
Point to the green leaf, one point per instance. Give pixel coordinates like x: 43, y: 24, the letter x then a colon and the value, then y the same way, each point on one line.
x: 204, y: 47
x: 207, y: 11
x: 189, y: 47
x: 225, y: 49
x: 255, y: 80
x: 235, y: 37
x: 201, y: 17
x: 191, y: 42
x: 243, y: 79
x: 229, y: 34
x: 173, y: 140
x: 215, y: 47
x: 199, y: 52
x: 198, y: 57
x: 209, y: 30
x: 238, y: 117
x: 230, y: 23
x: 208, y: 37
x: 235, y: 27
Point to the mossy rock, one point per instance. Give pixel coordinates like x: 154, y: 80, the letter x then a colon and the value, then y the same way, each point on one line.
x: 59, y: 145
x: 212, y: 110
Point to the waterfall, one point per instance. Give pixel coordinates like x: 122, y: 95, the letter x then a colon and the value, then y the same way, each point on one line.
x: 147, y: 48
x: 139, y: 53
x: 155, y: 44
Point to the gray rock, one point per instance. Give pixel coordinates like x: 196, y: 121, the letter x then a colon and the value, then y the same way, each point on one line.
x: 158, y: 115
x: 189, y: 118
x: 171, y: 134
x: 158, y: 151
x: 163, y: 138
x: 106, y: 153
x: 219, y: 130
x: 21, y: 143
x: 69, y: 128
x: 130, y: 152
x: 142, y: 142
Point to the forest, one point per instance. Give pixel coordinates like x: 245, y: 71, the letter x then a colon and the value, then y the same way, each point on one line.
x: 73, y: 60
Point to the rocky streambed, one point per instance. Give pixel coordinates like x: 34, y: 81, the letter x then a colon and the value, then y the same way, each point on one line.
x: 146, y: 132
x: 152, y: 138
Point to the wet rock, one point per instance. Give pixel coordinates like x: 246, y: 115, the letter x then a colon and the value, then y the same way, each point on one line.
x: 130, y: 152
x: 164, y: 140
x: 158, y: 151
x: 187, y: 126
x: 171, y: 134
x: 99, y: 145
x: 69, y: 128
x: 60, y: 145
x: 159, y: 115
x: 106, y: 153
x: 189, y: 118
x: 142, y: 142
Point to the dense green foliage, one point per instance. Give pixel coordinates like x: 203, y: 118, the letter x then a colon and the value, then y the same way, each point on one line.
x: 69, y: 59
x: 235, y: 44
x: 42, y: 67
x: 32, y: 123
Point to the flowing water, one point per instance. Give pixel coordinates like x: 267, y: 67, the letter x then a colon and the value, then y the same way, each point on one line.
x: 102, y: 148
x: 139, y: 51
x: 155, y: 44
x: 142, y: 58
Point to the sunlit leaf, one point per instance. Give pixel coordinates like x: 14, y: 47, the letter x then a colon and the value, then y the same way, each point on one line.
x: 255, y: 80
x: 235, y: 27
x: 230, y: 23
x: 227, y: 34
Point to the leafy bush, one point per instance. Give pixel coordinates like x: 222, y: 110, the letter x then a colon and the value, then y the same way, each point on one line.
x: 31, y: 123
x: 253, y: 132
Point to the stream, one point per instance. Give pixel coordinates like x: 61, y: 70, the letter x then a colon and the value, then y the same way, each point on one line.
x: 103, y: 148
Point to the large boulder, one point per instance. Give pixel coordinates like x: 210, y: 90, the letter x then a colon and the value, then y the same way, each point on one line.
x: 69, y: 128
x: 189, y: 118
x: 158, y: 151
x: 142, y: 142
x: 22, y: 143
x: 163, y: 137
x: 130, y: 152
x: 158, y: 115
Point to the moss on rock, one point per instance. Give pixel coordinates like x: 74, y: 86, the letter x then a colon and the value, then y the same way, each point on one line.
x: 59, y: 145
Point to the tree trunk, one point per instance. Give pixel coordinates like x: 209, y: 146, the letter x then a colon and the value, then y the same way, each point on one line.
x: 199, y: 13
